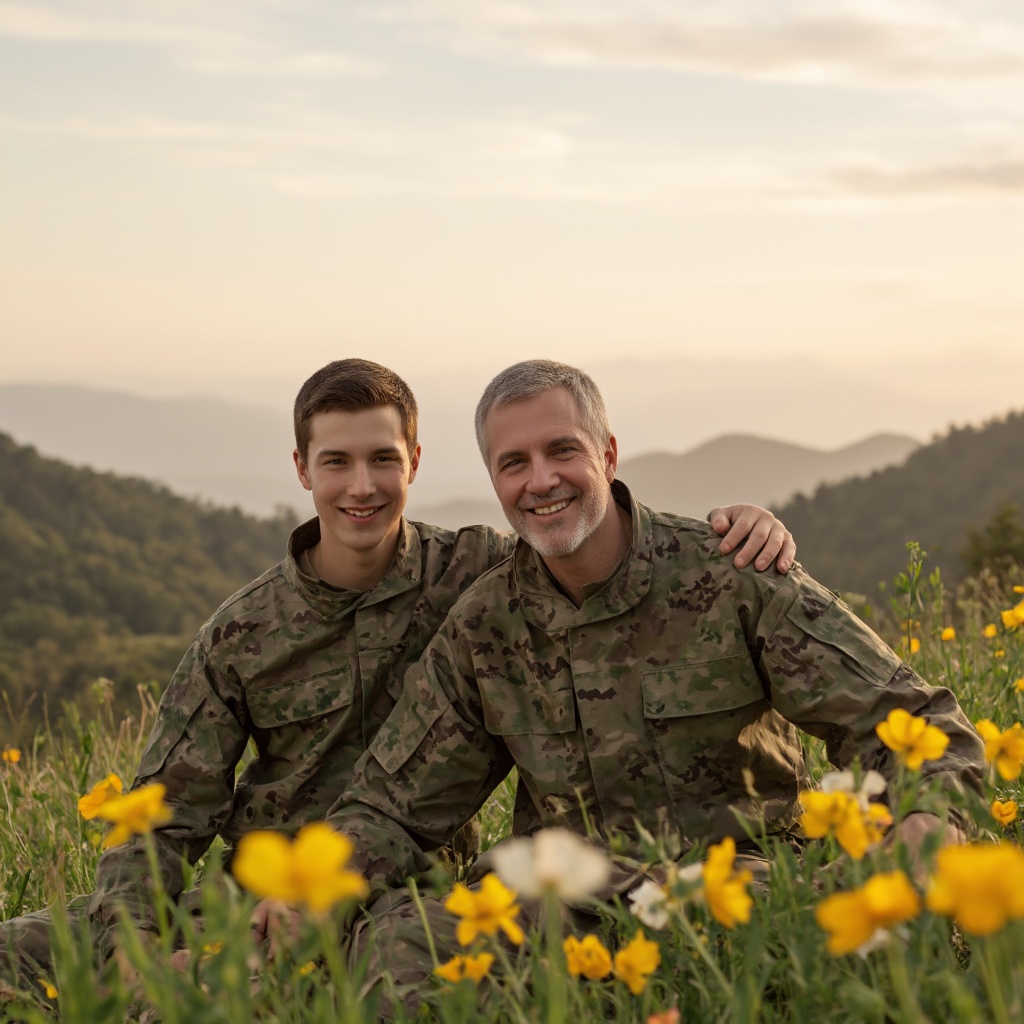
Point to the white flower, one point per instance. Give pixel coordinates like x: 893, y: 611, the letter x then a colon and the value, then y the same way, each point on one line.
x: 842, y: 782
x: 554, y: 859
x: 650, y: 904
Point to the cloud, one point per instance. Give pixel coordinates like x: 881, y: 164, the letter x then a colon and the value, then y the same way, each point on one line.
x: 863, y: 42
x: 998, y: 176
x: 226, y: 37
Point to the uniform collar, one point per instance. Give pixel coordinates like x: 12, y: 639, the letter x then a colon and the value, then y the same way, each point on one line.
x: 543, y: 604
x: 404, y: 573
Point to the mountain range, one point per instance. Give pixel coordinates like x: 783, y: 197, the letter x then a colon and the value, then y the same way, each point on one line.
x: 235, y: 454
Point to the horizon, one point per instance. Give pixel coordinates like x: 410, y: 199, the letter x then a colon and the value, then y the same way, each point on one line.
x: 227, y: 195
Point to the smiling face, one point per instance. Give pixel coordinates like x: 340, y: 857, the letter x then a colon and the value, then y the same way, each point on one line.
x: 358, y: 468
x: 552, y: 478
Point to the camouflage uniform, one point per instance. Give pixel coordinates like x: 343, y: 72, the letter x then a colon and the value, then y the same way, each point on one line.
x: 646, y: 703
x: 305, y: 671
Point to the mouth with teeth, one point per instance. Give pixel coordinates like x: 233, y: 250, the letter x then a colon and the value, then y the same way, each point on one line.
x: 361, y: 513
x: 550, y: 510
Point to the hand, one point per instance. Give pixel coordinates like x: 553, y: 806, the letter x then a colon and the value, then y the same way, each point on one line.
x: 765, y: 536
x: 274, y: 922
x: 915, y: 829
x: 181, y: 961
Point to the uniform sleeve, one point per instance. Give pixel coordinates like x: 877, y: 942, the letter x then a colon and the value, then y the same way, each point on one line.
x: 197, y: 739
x: 427, y: 772
x: 830, y: 675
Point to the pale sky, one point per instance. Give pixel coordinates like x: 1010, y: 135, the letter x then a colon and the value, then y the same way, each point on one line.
x: 218, y: 196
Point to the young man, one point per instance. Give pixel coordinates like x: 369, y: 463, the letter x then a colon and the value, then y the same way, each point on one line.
x: 628, y: 671
x: 307, y: 661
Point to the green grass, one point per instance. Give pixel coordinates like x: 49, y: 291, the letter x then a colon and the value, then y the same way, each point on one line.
x: 775, y: 967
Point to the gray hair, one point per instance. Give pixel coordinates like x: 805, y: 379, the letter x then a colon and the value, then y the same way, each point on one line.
x: 530, y: 378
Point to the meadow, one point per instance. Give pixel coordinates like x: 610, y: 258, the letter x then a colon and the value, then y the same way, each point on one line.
x: 851, y: 929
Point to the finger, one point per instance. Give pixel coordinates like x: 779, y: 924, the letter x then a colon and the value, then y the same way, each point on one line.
x: 771, y: 547
x: 757, y: 535
x: 720, y: 519
x: 785, y: 560
x: 742, y: 525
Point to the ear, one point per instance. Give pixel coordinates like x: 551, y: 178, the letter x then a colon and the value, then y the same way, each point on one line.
x: 611, y: 458
x: 302, y: 470
x: 414, y: 463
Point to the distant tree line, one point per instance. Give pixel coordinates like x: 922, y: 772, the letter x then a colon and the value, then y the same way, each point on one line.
x: 959, y: 497
x: 102, y: 575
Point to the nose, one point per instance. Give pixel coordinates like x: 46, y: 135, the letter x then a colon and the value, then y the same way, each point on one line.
x: 361, y: 484
x: 544, y: 476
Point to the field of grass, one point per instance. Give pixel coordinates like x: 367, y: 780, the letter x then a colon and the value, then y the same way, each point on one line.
x: 939, y: 942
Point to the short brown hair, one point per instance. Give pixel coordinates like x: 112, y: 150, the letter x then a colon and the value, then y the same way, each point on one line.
x: 353, y: 384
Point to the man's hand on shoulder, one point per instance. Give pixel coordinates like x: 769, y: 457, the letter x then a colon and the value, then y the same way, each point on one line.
x: 763, y: 537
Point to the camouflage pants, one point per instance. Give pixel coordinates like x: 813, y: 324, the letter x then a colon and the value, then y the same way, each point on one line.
x: 390, y: 943
x: 390, y: 950
x: 26, y: 941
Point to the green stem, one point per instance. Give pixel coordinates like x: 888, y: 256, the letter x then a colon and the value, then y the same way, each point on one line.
x: 330, y: 943
x: 986, y: 950
x: 901, y: 982
x: 556, y: 960
x: 691, y: 934
x: 417, y: 899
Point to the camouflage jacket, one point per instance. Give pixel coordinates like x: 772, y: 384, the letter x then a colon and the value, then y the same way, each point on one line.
x: 645, y: 704
x: 304, y: 671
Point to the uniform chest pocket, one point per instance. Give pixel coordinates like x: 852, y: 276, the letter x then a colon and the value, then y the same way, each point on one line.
x: 512, y: 713
x: 701, y: 688
x: 697, y: 715
x: 301, y: 700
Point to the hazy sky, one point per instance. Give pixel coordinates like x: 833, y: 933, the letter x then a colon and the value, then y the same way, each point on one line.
x: 220, y: 195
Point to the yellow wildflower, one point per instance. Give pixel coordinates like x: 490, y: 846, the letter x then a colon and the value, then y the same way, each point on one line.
x: 999, y: 654
x: 309, y: 870
x: 49, y: 988
x: 636, y: 962
x: 1004, y: 811
x: 855, y: 827
x: 11, y: 755
x: 103, y: 791
x: 213, y: 948
x: 486, y: 910
x: 913, y: 739
x: 1014, y: 617
x: 307, y: 968
x: 1019, y: 685
x: 135, y: 813
x: 989, y: 631
x: 470, y: 968
x: 949, y: 633
x: 980, y: 885
x: 1004, y: 748
x: 725, y: 889
x: 587, y: 957
x: 852, y: 919
x: 1018, y: 590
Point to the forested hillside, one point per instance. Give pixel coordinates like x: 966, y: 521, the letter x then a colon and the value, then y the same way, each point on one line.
x: 109, y: 576
x: 852, y: 535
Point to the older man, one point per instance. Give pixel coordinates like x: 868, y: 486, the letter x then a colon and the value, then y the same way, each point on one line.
x: 627, y: 670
